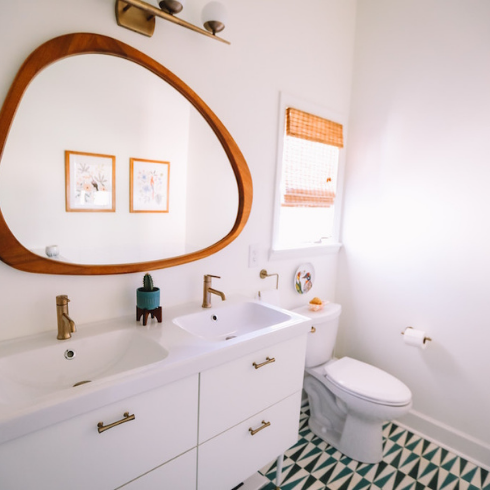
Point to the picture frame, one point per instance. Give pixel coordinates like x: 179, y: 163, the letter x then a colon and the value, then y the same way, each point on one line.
x: 90, y: 180
x: 149, y: 186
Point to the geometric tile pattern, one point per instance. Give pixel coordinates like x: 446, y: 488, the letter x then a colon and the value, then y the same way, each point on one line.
x: 409, y: 463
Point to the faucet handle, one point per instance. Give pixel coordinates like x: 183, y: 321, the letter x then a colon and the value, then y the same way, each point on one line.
x: 207, y: 276
x: 62, y: 300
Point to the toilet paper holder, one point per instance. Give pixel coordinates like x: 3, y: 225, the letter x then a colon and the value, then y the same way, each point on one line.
x: 426, y: 339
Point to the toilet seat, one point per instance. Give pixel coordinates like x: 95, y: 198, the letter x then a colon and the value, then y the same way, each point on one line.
x: 367, y: 382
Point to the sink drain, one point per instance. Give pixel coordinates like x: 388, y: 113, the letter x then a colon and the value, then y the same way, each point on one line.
x: 81, y: 383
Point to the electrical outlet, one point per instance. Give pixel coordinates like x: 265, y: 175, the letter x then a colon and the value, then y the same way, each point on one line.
x: 253, y: 255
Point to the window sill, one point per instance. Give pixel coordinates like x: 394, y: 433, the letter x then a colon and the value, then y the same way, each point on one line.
x: 307, y: 250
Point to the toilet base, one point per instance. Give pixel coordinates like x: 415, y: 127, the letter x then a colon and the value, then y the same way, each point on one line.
x: 355, y: 442
x: 358, y: 435
x: 329, y: 436
x: 362, y: 440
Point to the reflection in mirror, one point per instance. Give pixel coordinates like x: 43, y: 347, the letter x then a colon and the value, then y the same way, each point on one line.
x: 102, y: 104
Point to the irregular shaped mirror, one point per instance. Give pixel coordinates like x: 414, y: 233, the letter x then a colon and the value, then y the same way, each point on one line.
x: 181, y: 189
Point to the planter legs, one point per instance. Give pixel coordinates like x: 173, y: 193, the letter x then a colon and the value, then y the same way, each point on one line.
x: 156, y: 313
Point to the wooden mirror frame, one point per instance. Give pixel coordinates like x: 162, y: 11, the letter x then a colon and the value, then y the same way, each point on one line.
x: 13, y: 253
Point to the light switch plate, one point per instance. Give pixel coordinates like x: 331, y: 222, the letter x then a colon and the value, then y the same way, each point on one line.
x: 253, y: 255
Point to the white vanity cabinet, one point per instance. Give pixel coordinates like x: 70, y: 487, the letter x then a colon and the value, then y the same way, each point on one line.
x: 73, y: 454
x: 234, y: 455
x: 179, y: 473
x: 232, y: 412
x: 249, y: 413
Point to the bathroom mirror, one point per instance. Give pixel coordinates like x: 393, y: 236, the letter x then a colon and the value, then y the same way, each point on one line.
x: 92, y: 94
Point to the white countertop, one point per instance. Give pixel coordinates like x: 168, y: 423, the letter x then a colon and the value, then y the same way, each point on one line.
x: 187, y: 355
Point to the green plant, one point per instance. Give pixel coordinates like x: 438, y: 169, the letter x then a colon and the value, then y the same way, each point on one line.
x: 147, y: 282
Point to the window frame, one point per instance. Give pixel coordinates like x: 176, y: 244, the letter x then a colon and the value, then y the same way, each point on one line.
x: 332, y: 245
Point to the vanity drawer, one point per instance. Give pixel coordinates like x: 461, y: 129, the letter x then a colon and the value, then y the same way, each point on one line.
x: 232, y: 392
x: 74, y: 455
x: 233, y: 456
x: 180, y: 473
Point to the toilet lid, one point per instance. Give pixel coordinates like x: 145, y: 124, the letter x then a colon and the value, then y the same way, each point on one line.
x: 368, y: 382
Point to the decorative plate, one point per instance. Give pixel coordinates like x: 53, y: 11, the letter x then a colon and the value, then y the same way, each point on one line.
x: 304, y: 278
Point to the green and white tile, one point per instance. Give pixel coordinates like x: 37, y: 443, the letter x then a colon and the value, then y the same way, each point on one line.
x: 409, y: 463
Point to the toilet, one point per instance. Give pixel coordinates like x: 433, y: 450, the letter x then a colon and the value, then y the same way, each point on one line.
x: 349, y: 399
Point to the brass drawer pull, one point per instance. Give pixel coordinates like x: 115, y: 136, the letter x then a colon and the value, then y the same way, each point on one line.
x: 263, y: 426
x: 267, y: 361
x: 313, y: 330
x: 101, y: 428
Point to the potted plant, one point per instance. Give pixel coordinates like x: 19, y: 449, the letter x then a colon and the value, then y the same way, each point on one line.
x: 148, y: 296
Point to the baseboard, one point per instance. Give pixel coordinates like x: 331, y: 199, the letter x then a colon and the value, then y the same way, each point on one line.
x: 457, y: 442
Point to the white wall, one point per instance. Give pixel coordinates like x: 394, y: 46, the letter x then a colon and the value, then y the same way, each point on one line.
x: 416, y: 234
x: 275, y: 46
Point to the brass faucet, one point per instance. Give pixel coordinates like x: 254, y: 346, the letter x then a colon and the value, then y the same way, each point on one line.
x: 66, y: 326
x: 207, y: 290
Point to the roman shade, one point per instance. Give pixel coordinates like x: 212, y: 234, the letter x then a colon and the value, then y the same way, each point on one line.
x: 310, y: 159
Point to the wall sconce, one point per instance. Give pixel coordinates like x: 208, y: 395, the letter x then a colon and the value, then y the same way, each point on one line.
x: 139, y: 16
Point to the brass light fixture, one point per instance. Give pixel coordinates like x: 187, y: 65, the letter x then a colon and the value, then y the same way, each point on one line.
x: 213, y: 17
x: 139, y: 16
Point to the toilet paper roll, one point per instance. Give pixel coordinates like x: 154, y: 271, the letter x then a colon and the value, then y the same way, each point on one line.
x: 270, y: 296
x: 415, y: 338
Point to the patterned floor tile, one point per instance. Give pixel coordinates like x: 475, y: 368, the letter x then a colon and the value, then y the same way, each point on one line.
x: 409, y: 463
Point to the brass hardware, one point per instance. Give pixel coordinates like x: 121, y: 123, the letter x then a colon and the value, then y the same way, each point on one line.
x: 102, y: 428
x: 137, y: 22
x: 134, y: 19
x: 214, y: 26
x: 267, y: 361
x: 313, y: 330
x: 208, y: 290
x: 81, y: 383
x: 66, y: 326
x: 264, y: 274
x: 171, y: 6
x: 426, y: 339
x: 263, y: 426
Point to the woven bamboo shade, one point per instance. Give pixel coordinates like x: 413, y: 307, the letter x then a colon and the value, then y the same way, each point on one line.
x: 311, y: 153
x: 313, y: 128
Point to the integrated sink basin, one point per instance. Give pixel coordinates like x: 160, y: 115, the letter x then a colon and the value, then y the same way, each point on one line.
x: 33, y: 367
x: 45, y: 381
x: 227, y: 322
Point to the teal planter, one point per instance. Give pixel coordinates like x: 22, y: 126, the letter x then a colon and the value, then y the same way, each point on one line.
x: 147, y: 300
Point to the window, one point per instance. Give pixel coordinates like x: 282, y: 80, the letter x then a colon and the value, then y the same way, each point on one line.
x: 308, y: 168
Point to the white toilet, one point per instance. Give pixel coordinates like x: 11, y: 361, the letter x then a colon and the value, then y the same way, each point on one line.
x: 349, y: 400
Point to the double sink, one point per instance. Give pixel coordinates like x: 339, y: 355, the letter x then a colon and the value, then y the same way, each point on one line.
x: 117, y: 358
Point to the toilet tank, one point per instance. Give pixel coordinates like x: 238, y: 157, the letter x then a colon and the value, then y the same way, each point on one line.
x: 321, y: 340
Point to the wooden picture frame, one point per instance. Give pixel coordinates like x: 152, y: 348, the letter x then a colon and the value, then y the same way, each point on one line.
x: 149, y: 185
x: 90, y: 180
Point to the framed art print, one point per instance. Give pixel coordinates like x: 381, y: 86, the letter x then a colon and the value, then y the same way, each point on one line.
x: 149, y: 186
x: 90, y: 182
